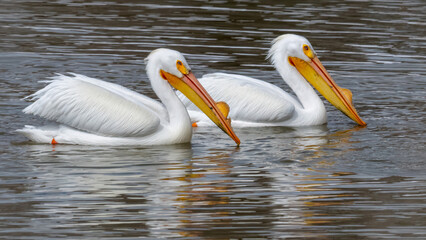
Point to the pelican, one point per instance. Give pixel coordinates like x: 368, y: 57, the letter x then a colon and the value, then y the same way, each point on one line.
x: 94, y: 112
x: 255, y: 103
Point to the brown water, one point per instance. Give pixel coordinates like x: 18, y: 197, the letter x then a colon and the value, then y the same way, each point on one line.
x: 331, y: 182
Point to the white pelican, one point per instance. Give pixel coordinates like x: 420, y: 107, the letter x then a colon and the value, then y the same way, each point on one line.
x: 93, y: 112
x: 255, y: 103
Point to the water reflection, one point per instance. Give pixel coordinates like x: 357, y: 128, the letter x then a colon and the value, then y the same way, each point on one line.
x: 312, y: 185
x: 210, y: 197
x: 220, y: 200
x: 97, y: 189
x: 203, y: 197
x: 216, y: 193
x: 318, y: 143
x: 170, y: 191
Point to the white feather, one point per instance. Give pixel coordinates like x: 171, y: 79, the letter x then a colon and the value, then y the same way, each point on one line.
x: 87, y: 104
x: 248, y: 98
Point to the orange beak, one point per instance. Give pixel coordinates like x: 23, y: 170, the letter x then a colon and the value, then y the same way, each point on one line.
x: 194, y: 91
x: 315, y: 73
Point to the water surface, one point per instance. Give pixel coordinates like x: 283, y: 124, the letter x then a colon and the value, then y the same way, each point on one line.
x: 337, y: 181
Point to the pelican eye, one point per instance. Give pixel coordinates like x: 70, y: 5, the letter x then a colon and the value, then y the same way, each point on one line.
x: 181, y: 67
x: 308, y: 51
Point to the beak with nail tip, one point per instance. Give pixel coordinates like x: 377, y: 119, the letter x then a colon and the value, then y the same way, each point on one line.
x: 195, y: 92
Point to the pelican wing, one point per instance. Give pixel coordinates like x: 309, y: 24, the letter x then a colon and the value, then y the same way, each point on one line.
x: 249, y: 99
x: 96, y: 106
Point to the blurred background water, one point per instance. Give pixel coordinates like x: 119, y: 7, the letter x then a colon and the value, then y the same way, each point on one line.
x: 337, y: 181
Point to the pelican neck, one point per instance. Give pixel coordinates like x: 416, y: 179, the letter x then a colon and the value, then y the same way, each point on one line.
x: 305, y: 93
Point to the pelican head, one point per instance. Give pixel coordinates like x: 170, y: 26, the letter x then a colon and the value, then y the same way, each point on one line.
x: 298, y: 52
x: 172, y: 67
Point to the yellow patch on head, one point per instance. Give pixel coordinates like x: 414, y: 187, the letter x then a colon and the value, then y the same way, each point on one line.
x: 308, y: 51
x: 181, y: 67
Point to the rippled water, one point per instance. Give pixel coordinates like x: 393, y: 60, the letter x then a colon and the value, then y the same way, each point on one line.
x: 331, y: 182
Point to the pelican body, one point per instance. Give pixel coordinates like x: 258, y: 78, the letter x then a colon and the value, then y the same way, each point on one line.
x: 94, y: 112
x: 255, y: 103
